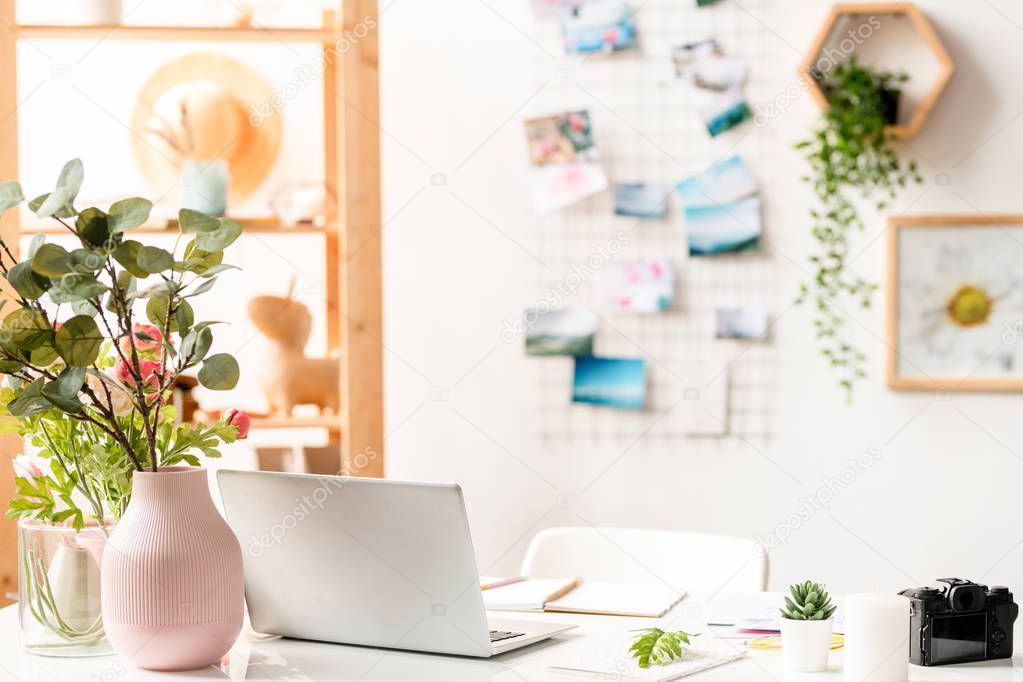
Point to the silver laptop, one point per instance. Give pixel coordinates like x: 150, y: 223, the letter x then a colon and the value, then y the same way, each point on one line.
x: 365, y: 561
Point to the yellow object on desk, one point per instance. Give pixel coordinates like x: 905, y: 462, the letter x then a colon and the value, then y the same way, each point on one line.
x: 774, y: 642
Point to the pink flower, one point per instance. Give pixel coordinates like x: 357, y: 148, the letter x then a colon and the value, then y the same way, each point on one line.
x: 239, y: 419
x: 25, y: 467
x: 149, y: 369
x: 151, y: 350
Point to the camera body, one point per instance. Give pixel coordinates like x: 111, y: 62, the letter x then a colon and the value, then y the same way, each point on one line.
x: 960, y: 621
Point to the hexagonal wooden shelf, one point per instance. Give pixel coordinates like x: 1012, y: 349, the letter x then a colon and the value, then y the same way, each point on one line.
x: 883, y: 28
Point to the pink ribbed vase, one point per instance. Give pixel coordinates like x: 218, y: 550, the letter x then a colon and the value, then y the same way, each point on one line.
x: 172, y: 589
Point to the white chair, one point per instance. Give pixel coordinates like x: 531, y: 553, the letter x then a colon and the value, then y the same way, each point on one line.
x: 695, y: 562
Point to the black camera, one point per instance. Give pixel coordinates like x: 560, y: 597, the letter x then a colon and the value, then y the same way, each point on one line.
x: 960, y: 621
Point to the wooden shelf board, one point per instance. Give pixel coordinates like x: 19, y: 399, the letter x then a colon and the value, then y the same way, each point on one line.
x: 268, y: 225
x: 217, y: 33
x: 322, y: 422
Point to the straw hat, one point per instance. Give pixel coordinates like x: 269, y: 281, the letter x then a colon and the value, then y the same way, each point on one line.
x: 197, y: 107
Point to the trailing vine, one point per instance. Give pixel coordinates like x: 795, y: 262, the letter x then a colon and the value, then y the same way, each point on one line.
x: 849, y: 151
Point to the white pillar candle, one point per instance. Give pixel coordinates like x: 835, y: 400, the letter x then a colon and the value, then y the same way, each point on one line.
x: 876, y: 638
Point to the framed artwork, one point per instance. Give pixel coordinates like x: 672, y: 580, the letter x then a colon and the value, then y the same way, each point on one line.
x: 955, y: 303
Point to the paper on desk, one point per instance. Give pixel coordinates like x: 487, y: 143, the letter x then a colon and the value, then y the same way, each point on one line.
x: 528, y: 595
x: 610, y: 599
x: 608, y: 657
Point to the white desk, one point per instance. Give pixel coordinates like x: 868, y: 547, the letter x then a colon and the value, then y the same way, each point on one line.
x: 297, y: 660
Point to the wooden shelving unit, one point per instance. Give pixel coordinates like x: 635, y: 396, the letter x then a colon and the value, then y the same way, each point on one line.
x: 351, y: 239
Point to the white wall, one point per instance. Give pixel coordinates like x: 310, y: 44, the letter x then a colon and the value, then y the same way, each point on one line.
x: 942, y: 497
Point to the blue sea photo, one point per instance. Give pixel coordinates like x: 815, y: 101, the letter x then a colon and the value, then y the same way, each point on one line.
x: 722, y: 183
x: 640, y: 200
x: 725, y: 111
x: 614, y: 382
x: 723, y: 228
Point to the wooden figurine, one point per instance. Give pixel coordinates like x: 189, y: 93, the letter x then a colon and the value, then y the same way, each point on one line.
x: 287, y: 376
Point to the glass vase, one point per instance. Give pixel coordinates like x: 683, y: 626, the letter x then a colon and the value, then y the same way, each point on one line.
x: 59, y: 589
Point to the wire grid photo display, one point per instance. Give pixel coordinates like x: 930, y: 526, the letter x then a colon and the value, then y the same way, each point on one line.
x: 648, y: 129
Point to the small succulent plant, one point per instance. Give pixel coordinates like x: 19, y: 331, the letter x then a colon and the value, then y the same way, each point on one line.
x: 809, y: 601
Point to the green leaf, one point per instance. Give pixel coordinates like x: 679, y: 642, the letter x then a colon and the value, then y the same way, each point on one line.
x: 27, y: 282
x: 93, y: 226
x: 181, y: 322
x: 654, y: 646
x: 221, y: 238
x: 30, y: 401
x: 128, y: 214
x: 38, y: 239
x: 52, y: 260
x: 219, y: 372
x: 196, y: 344
x: 62, y: 198
x: 83, y: 308
x: 63, y: 392
x: 87, y: 260
x: 10, y: 195
x: 25, y: 329
x: 43, y: 356
x: 217, y: 269
x: 153, y: 259
x: 193, y: 221
x: 38, y: 201
x: 79, y: 340
x: 184, y: 316
x: 71, y: 288
x: 127, y: 254
x: 198, y: 261
x: 203, y: 288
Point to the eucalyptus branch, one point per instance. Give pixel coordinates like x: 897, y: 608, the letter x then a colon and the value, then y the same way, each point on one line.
x: 63, y: 415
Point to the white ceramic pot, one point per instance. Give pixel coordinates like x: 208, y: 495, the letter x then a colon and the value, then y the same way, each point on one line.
x: 805, y: 644
x: 92, y: 12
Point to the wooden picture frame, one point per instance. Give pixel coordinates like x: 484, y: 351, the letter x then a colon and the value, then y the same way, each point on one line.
x: 931, y: 381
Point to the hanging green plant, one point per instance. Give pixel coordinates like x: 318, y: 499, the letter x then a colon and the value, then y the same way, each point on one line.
x: 849, y: 151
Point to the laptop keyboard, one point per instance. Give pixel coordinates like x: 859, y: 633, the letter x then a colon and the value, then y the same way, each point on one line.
x: 500, y: 635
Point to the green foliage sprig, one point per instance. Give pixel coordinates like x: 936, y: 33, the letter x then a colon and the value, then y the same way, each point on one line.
x: 657, y: 647
x: 849, y: 151
x: 88, y: 377
x: 809, y: 601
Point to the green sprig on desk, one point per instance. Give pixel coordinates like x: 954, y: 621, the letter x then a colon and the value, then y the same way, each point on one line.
x: 657, y: 647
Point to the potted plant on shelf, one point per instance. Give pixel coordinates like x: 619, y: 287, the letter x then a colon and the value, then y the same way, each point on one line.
x: 806, y: 628
x: 88, y: 382
x: 850, y: 152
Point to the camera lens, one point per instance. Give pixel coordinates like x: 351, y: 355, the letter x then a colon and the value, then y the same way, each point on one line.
x: 966, y: 598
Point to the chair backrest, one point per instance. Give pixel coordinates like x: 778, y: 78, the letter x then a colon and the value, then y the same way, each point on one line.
x: 695, y: 562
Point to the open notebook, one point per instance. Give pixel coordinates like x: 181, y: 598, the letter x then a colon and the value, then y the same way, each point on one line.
x: 572, y: 595
x: 607, y: 656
